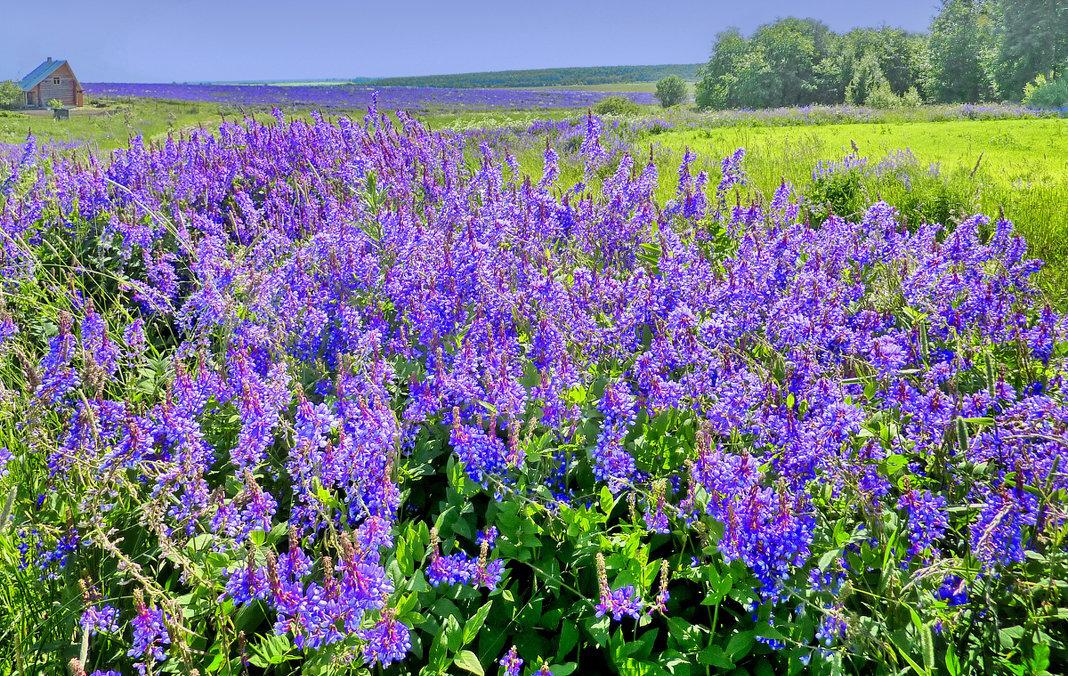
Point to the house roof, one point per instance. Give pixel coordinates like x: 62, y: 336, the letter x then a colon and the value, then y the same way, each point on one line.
x: 39, y: 73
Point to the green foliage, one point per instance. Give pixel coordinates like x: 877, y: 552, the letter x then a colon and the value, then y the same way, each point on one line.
x: 1033, y: 39
x: 977, y: 50
x: 901, y: 57
x: 616, y: 105
x: 718, y: 83
x: 1045, y: 92
x: 801, y: 62
x: 671, y: 91
x: 911, y: 98
x: 55, y: 103
x: 962, y: 52
x: 546, y: 77
x: 11, y: 95
x: 883, y: 97
x: 867, y: 78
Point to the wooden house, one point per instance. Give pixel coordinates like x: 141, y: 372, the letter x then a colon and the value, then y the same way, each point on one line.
x: 52, y: 80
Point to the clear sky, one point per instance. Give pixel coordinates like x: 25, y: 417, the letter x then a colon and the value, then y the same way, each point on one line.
x: 182, y: 40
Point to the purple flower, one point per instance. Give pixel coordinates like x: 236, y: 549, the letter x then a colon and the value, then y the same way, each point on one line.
x: 612, y: 463
x: 150, y: 636
x: 388, y: 641
x: 927, y: 520
x: 732, y: 173
x: 100, y: 620
x: 997, y: 533
x: 620, y: 602
x: 512, y: 662
x: 8, y: 330
x: 954, y: 590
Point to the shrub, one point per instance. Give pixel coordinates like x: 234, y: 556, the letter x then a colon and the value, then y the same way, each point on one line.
x: 11, y: 95
x: 911, y: 98
x: 616, y: 105
x: 671, y: 91
x: 1047, y: 93
x: 883, y: 98
x: 55, y: 103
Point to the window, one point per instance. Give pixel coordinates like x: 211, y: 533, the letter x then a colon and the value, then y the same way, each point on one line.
x: 55, y: 80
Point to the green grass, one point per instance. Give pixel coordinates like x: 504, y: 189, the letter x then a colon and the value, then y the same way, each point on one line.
x: 111, y: 126
x: 628, y: 87
x: 1020, y: 166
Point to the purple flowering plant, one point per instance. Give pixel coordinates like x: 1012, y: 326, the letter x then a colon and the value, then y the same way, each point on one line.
x: 358, y: 394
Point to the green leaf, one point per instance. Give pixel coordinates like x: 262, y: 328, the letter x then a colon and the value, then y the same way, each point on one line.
x: 608, y: 501
x: 894, y: 463
x: 598, y: 629
x: 568, y: 639
x: 468, y: 661
x: 740, y: 645
x: 474, y: 625
x: 451, y: 632
x: 952, y: 662
x: 1010, y: 635
x: 715, y: 656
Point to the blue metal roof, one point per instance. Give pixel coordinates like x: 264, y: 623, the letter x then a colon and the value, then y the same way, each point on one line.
x: 39, y: 73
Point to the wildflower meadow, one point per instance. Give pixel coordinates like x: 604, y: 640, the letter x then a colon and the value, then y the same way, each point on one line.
x: 332, y: 395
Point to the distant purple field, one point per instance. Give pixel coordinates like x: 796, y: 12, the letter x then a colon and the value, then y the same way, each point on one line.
x: 352, y: 96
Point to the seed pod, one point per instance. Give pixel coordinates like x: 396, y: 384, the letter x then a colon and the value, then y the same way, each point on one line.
x: 962, y: 434
x: 990, y: 382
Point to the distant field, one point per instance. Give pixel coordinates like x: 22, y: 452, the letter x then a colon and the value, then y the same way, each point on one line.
x: 549, y: 77
x: 647, y: 87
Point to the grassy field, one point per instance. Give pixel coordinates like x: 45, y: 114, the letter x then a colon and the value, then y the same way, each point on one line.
x: 1020, y: 166
x: 110, y: 126
x: 1017, y: 165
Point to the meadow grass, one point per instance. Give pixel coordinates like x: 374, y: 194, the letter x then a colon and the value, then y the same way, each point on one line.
x: 111, y: 126
x: 1019, y: 166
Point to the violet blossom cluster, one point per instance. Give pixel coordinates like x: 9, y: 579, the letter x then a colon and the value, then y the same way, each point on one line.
x: 322, y: 293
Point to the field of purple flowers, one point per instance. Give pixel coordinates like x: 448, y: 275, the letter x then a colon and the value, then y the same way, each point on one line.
x: 333, y: 397
x: 357, y: 96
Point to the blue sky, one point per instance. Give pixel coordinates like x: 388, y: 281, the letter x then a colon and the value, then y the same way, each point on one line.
x: 181, y: 40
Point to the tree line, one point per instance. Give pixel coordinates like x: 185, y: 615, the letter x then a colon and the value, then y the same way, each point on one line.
x: 974, y: 51
x: 547, y: 77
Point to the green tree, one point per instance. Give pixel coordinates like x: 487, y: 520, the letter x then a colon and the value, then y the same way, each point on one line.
x: 867, y: 77
x: 962, y: 51
x: 1043, y: 92
x: 793, y: 51
x: 786, y: 63
x: 11, y: 95
x: 1033, y: 39
x: 671, y: 91
x: 901, y: 56
x: 717, y: 84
